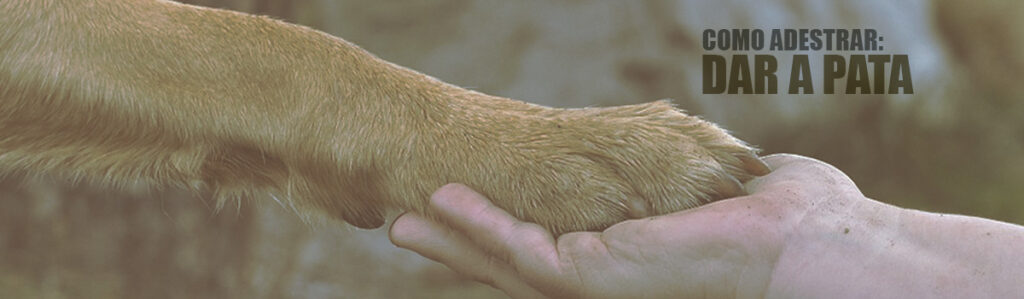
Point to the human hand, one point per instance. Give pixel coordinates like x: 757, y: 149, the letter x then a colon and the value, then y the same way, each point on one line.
x: 804, y: 231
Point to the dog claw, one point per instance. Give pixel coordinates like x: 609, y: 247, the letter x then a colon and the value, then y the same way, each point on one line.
x: 753, y: 165
x: 636, y: 209
x: 729, y: 187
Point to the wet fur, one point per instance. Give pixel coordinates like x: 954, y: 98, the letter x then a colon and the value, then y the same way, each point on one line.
x: 123, y: 92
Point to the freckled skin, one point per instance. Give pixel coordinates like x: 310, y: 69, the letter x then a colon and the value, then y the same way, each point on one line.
x: 121, y: 92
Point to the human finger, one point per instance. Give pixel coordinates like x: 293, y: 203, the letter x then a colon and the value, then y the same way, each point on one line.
x: 439, y: 243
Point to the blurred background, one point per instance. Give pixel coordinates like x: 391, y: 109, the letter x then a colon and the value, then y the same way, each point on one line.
x: 955, y: 146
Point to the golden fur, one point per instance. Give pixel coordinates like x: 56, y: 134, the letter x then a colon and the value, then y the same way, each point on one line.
x: 154, y: 92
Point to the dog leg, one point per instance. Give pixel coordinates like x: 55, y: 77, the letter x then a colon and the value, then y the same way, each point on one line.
x: 119, y: 92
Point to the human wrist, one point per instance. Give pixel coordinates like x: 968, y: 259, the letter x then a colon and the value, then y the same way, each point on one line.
x: 902, y: 253
x: 980, y: 257
x: 839, y: 245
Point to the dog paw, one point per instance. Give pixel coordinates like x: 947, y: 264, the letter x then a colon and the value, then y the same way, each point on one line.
x: 586, y: 169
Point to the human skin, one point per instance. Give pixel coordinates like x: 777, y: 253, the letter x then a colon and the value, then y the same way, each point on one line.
x: 805, y: 231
